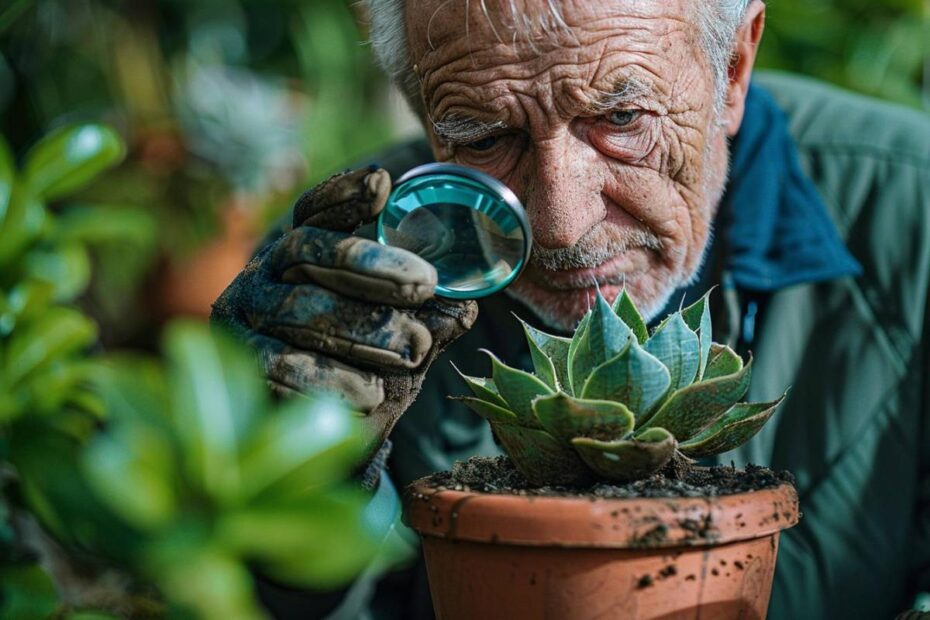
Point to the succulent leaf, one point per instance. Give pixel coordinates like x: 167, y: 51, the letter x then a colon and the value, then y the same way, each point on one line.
x: 692, y: 409
x: 566, y: 417
x: 550, y: 356
x: 608, y: 335
x: 540, y: 457
x: 580, y: 334
x: 679, y: 348
x: 697, y: 317
x: 629, y: 314
x: 723, y: 361
x: 483, y: 388
x: 628, y: 459
x: 518, y: 388
x: 732, y: 430
x: 487, y: 410
x: 634, y: 377
x: 604, y: 337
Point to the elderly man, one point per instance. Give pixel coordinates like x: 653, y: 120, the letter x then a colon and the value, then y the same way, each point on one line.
x: 616, y: 123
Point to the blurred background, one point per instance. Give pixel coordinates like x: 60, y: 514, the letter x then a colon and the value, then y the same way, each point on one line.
x: 231, y: 107
x: 145, y: 147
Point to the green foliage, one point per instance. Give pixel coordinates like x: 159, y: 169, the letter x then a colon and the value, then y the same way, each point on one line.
x: 615, y: 402
x: 43, y: 266
x: 877, y: 48
x: 183, y: 474
x: 198, y: 476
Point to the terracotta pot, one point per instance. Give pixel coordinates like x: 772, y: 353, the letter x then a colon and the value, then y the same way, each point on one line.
x: 515, y: 557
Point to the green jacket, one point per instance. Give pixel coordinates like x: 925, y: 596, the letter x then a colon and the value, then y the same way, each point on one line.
x: 855, y: 429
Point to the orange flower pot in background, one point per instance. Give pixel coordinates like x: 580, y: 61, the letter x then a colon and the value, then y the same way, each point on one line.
x: 580, y: 558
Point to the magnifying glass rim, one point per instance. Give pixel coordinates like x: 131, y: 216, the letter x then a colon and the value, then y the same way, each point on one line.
x: 504, y: 193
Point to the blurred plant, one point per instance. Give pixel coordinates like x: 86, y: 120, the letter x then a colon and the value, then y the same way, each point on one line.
x: 229, y: 107
x: 615, y: 402
x: 877, y: 48
x: 197, y: 478
x: 121, y: 474
x: 44, y: 266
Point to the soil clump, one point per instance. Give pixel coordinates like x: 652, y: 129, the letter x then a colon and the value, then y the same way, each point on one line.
x: 680, y: 478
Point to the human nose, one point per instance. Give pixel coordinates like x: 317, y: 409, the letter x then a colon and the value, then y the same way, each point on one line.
x: 564, y: 200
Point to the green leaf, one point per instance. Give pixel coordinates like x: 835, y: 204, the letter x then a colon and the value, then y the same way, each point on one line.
x: 635, y: 378
x: 308, y: 444
x: 723, y: 361
x: 131, y: 468
x: 98, y: 224
x: 7, y: 176
x: 26, y: 300
x: 629, y: 313
x: 601, y: 337
x: 20, y: 225
x: 543, y: 365
x: 732, y: 430
x: 540, y: 457
x: 678, y: 348
x: 66, y: 267
x: 565, y: 417
x: 56, y: 334
x: 489, y: 411
x: 627, y: 460
x: 554, y: 348
x: 577, y: 338
x: 482, y: 388
x: 518, y: 389
x: 59, y: 383
x: 321, y: 541
x: 697, y: 317
x: 607, y: 335
x: 216, y: 397
x: 27, y: 593
x: 692, y: 409
x: 208, y: 583
x: 134, y: 391
x: 69, y: 158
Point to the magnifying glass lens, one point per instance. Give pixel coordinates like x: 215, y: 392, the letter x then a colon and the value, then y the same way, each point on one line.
x: 473, y: 232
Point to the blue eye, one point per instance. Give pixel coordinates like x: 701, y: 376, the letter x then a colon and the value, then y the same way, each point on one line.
x: 483, y: 144
x: 622, y: 118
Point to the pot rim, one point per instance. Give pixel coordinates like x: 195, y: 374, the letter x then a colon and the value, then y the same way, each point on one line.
x: 620, y: 523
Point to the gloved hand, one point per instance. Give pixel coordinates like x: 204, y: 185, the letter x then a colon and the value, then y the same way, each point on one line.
x: 332, y: 311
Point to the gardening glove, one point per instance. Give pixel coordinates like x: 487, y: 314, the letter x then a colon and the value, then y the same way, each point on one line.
x: 327, y: 310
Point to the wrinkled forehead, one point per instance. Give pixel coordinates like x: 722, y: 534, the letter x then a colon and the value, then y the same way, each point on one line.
x: 517, y: 38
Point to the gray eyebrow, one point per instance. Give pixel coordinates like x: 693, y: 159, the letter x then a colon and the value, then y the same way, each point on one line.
x: 624, y: 92
x: 459, y: 129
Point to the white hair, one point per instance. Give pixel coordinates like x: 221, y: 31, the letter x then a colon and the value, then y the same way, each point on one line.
x: 717, y: 21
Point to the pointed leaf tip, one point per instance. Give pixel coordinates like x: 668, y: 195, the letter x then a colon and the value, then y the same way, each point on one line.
x: 733, y: 429
x: 518, y: 388
x: 630, y: 315
x: 482, y: 387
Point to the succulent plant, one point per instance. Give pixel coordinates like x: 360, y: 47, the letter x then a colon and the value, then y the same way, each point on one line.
x: 615, y: 401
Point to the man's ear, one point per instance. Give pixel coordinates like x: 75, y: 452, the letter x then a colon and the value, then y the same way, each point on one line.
x: 742, y: 60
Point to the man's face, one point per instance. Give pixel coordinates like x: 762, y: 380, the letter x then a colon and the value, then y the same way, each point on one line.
x: 604, y: 126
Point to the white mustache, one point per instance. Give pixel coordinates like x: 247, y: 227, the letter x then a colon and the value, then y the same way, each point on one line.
x: 596, y: 247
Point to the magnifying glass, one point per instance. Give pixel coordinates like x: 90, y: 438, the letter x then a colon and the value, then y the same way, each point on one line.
x: 467, y: 224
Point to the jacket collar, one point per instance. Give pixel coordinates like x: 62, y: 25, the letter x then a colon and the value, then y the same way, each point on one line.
x: 774, y: 225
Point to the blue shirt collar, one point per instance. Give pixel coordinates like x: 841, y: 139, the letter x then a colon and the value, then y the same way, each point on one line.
x: 774, y: 225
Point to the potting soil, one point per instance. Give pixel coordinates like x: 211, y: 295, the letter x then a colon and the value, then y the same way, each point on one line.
x: 497, y: 475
